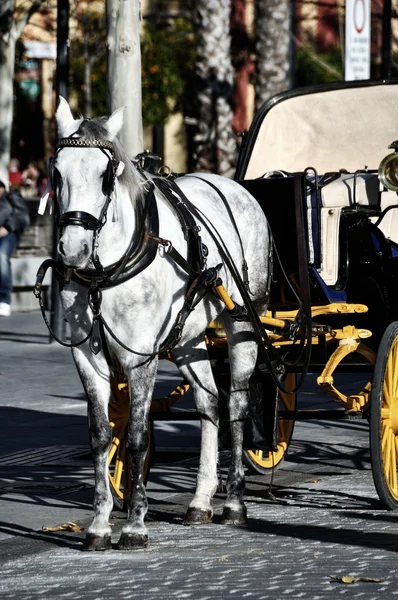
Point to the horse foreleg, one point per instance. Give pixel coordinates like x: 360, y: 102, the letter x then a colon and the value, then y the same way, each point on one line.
x: 141, y: 382
x: 98, y: 392
x: 197, y: 371
x: 242, y: 355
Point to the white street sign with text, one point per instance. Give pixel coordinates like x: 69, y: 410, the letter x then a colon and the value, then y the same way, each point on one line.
x: 357, y: 39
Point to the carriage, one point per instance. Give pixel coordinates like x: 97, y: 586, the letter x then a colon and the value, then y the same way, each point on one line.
x: 311, y: 159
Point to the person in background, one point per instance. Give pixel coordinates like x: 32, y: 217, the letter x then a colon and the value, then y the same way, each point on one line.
x: 30, y: 180
x: 14, y: 174
x: 14, y: 217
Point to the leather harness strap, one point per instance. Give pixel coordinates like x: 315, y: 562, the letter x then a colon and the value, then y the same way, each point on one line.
x: 196, y: 250
x: 245, y: 270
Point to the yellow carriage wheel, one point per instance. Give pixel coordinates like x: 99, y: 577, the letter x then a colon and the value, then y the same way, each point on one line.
x: 384, y: 418
x: 119, y: 471
x: 260, y: 461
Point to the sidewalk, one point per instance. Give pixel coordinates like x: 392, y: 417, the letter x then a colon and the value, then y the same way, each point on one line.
x: 320, y: 519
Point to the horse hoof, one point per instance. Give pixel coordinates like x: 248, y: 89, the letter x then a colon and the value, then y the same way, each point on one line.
x: 197, y: 516
x: 128, y: 541
x: 97, y: 542
x: 233, y: 516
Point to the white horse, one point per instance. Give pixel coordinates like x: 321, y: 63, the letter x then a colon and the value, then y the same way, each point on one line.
x: 122, y: 273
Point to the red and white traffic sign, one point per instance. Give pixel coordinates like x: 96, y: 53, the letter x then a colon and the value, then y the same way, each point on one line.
x: 357, y: 39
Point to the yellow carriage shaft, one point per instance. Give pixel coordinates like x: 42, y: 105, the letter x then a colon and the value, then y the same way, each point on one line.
x: 283, y: 318
x: 348, y: 340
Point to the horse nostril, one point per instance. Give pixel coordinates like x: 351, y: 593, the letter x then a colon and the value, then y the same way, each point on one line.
x: 61, y: 248
x: 86, y: 249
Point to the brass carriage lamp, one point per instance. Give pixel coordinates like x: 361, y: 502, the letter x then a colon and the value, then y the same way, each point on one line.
x: 388, y: 169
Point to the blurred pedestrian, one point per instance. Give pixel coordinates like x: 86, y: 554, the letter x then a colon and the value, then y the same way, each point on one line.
x: 14, y: 174
x: 14, y: 217
x: 30, y: 180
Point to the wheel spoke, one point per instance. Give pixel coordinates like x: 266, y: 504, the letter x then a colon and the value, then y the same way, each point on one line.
x: 388, y: 388
x: 394, y: 368
x: 384, y: 438
x: 117, y: 476
x: 393, y: 477
x: 385, y: 413
x: 393, y: 354
x: 387, y: 453
x: 113, y: 448
x: 386, y: 398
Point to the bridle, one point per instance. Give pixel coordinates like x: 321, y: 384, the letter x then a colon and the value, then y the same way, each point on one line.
x: 81, y: 218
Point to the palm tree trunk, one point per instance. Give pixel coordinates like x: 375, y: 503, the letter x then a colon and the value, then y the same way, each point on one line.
x: 124, y: 69
x: 215, y: 143
x: 273, y: 26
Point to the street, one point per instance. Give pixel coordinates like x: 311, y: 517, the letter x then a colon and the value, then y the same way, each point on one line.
x: 313, y: 521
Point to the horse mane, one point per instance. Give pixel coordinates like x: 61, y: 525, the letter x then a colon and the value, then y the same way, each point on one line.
x: 95, y: 129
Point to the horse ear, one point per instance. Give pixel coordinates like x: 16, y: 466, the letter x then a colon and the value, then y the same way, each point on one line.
x: 115, y: 122
x: 65, y: 122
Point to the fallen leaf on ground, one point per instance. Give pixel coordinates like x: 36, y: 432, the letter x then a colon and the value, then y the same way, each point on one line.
x: 223, y: 558
x: 351, y: 579
x: 64, y: 527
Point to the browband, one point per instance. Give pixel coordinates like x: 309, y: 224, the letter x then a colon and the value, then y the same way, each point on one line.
x: 79, y: 142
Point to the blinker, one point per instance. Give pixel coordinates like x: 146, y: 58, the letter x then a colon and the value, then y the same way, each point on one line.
x: 43, y: 200
x: 47, y: 190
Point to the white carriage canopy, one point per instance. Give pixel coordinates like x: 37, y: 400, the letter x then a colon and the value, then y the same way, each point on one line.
x: 334, y: 129
x: 347, y: 128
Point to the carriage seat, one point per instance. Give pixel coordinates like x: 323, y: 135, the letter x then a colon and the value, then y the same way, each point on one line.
x: 339, y: 191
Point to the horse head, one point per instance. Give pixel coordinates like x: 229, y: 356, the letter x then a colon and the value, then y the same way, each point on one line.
x: 83, y: 174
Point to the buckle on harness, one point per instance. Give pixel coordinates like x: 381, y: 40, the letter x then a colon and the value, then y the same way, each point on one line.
x: 168, y: 246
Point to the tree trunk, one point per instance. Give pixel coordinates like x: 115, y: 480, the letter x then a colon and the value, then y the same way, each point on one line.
x: 273, y: 26
x: 216, y: 145
x: 124, y: 69
x: 242, y: 48
x: 88, y: 66
x: 10, y: 31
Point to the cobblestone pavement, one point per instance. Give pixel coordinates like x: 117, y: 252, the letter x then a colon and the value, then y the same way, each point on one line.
x: 315, y: 520
x: 321, y: 520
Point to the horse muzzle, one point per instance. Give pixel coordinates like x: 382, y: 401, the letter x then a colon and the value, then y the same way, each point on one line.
x: 74, y: 247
